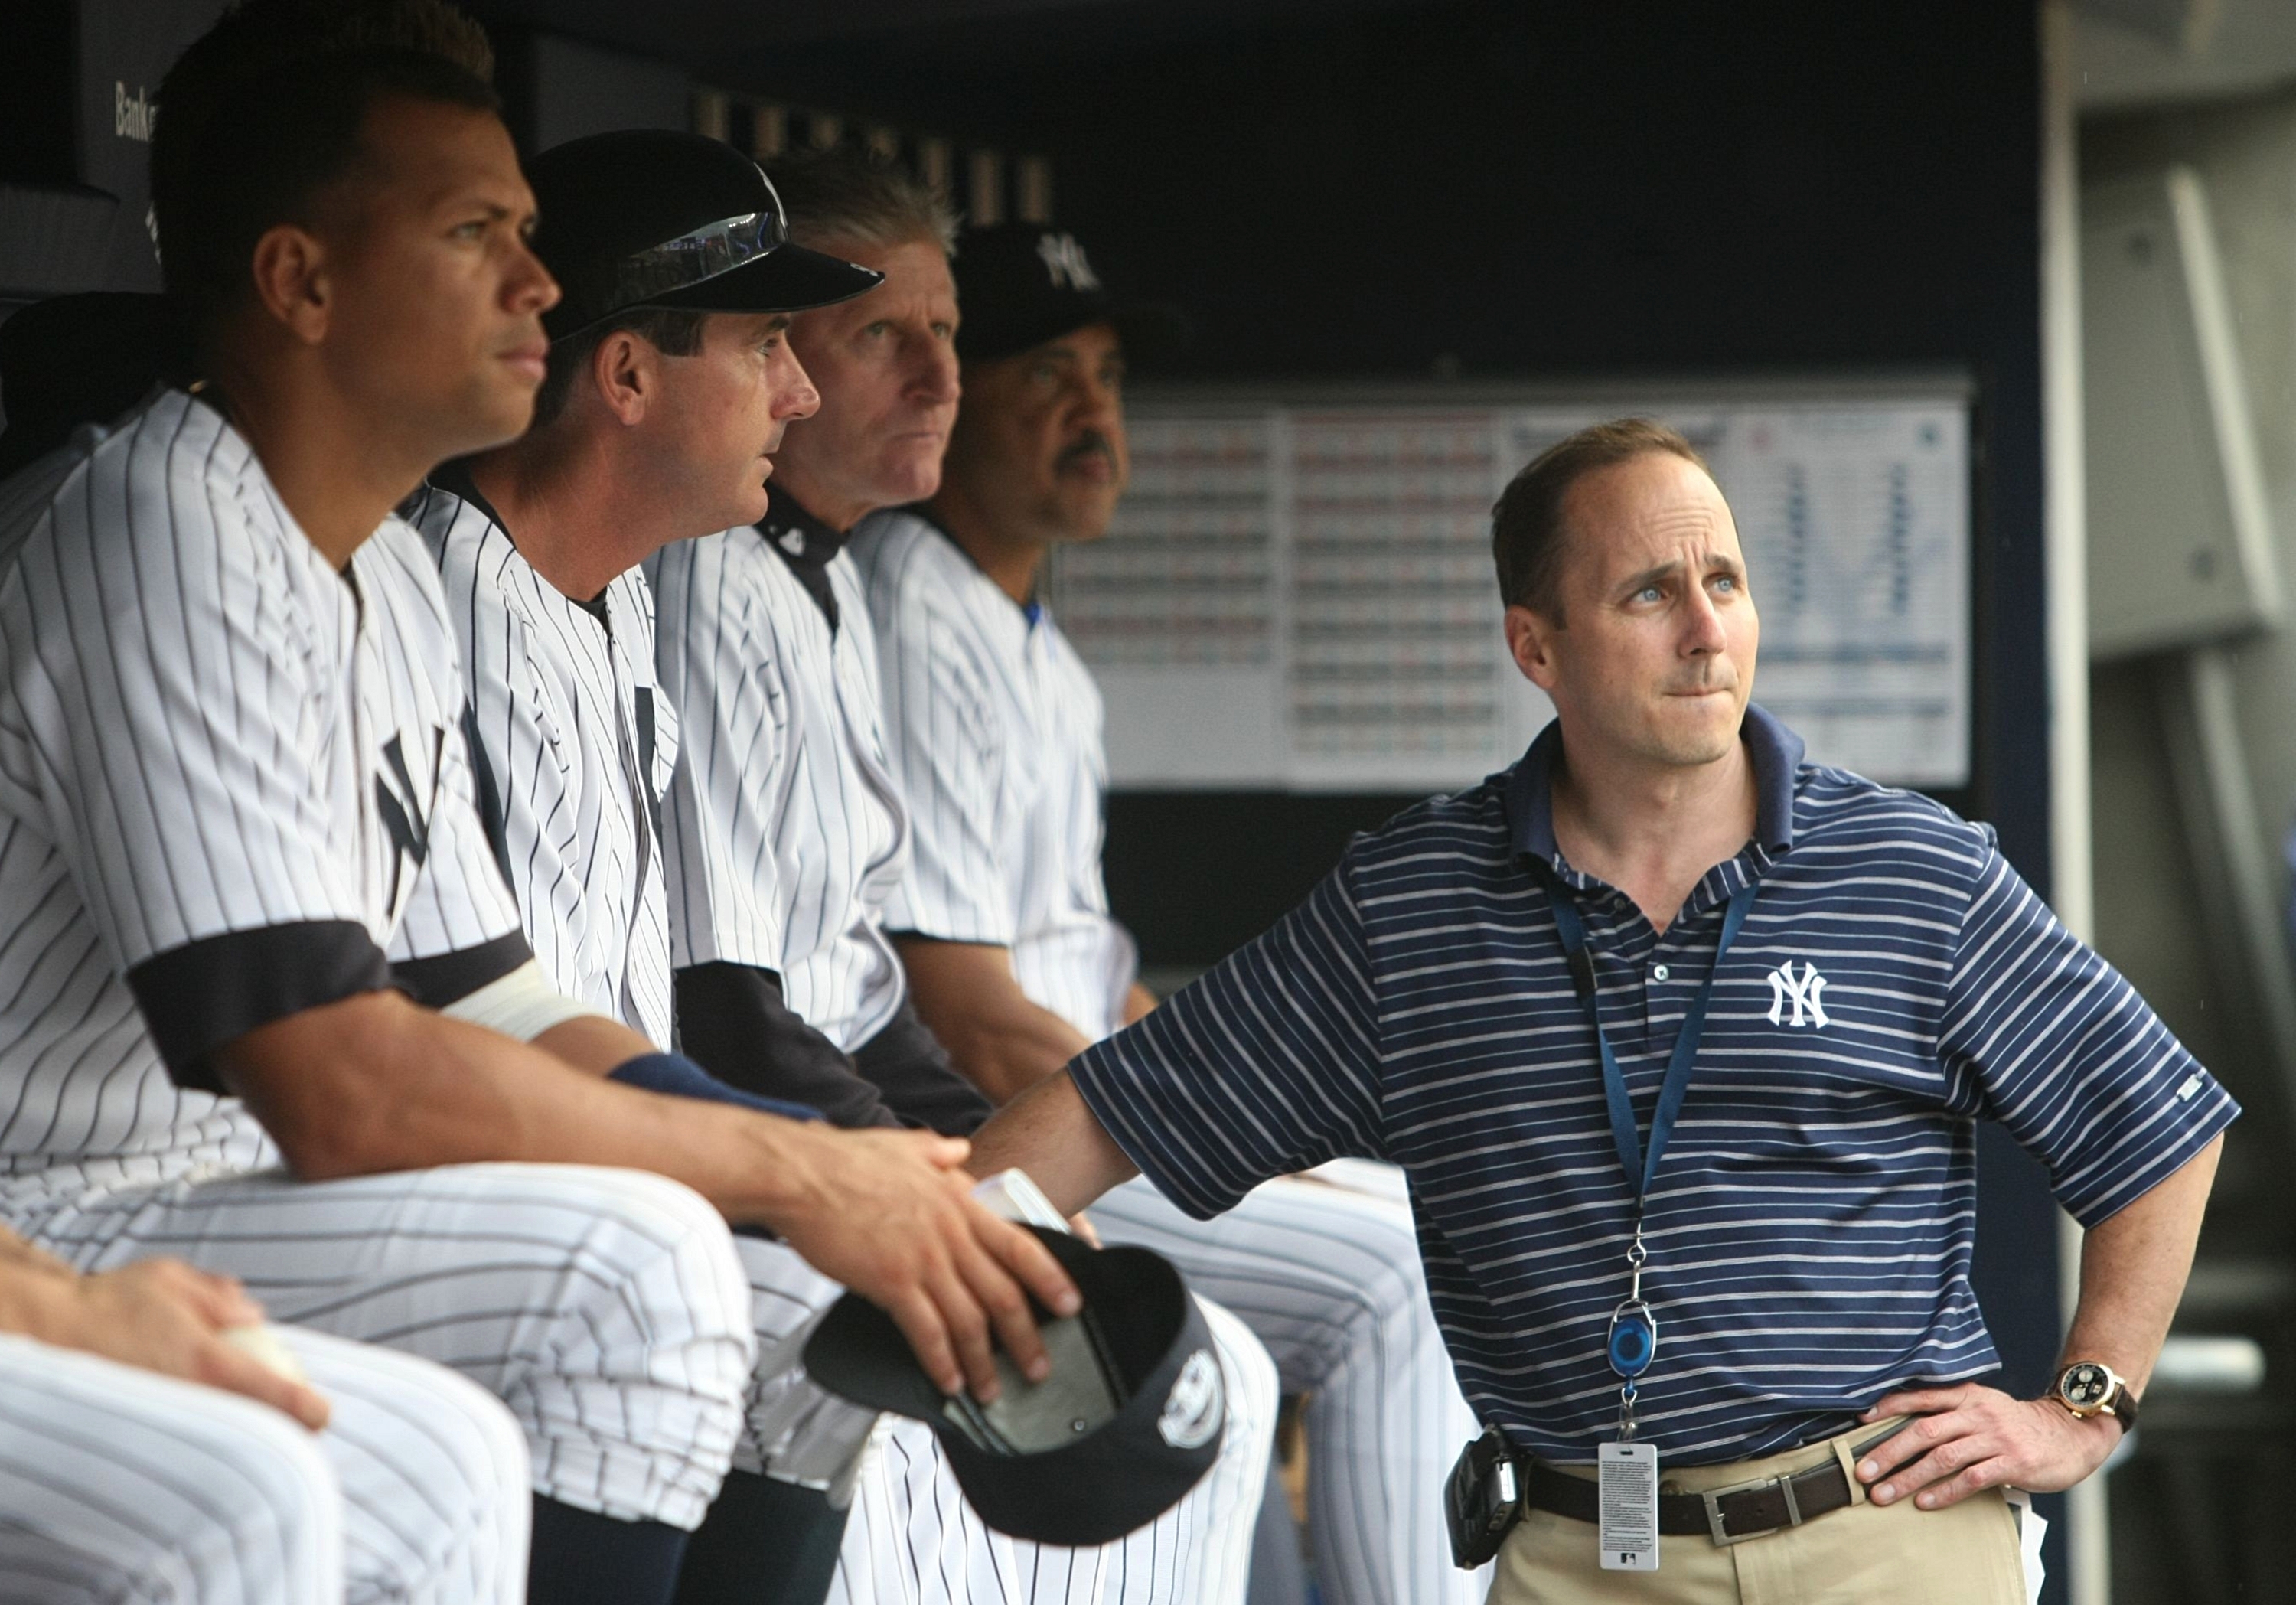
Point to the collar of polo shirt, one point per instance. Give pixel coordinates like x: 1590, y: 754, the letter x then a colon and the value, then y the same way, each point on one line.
x: 1776, y: 753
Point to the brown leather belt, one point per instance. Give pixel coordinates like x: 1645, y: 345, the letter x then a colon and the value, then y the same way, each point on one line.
x: 1731, y: 1515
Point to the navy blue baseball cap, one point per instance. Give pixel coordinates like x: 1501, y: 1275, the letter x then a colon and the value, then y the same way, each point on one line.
x: 1129, y: 1420
x: 645, y: 219
x: 1019, y: 284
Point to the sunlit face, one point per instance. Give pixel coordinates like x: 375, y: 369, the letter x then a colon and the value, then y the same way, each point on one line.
x: 1654, y: 659
x: 886, y: 365
x: 717, y: 416
x: 1039, y: 444
x: 435, y: 303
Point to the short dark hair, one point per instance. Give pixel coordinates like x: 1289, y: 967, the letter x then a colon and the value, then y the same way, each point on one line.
x: 669, y: 329
x: 265, y: 109
x: 1527, y: 528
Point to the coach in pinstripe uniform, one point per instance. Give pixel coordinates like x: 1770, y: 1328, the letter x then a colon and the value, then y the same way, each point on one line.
x: 993, y: 727
x: 1502, y: 991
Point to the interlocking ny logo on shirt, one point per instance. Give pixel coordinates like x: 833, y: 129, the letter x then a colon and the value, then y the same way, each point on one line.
x: 1801, y: 992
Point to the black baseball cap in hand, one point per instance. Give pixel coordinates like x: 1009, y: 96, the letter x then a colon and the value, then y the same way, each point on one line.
x: 1129, y: 1420
x: 646, y: 218
x: 1019, y: 284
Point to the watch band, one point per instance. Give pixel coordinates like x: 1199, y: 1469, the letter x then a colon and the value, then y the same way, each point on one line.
x: 2123, y: 1406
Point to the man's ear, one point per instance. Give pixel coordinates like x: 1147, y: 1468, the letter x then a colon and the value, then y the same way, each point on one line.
x: 292, y: 281
x: 1530, y: 642
x: 626, y: 371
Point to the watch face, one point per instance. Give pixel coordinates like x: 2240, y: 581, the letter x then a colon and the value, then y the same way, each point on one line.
x: 2086, y: 1385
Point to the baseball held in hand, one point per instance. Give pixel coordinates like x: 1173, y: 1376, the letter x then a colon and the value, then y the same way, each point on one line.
x: 263, y: 1345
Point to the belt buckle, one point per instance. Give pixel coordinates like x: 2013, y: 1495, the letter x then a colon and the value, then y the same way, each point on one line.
x: 1720, y: 1531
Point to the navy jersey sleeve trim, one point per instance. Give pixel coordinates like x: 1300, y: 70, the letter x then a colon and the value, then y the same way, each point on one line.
x: 448, y: 978
x: 732, y: 1020
x: 198, y: 998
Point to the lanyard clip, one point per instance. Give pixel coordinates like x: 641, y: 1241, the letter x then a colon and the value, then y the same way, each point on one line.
x: 1633, y: 1342
x: 1627, y: 1426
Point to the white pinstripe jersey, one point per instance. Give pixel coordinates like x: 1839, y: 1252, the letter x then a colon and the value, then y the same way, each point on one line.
x: 229, y: 782
x: 784, y: 834
x: 994, y: 726
x: 579, y: 751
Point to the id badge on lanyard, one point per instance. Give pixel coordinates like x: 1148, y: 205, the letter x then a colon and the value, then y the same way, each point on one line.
x: 1627, y: 1470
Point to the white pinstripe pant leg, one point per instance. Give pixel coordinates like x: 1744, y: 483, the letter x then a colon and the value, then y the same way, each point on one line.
x: 1329, y: 1279
x: 912, y: 1540
x: 606, y: 1308
x: 793, y: 1429
x: 436, y: 1505
x: 120, y: 1485
x: 915, y: 1541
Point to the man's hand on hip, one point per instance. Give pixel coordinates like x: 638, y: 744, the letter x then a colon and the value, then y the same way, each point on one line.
x: 1966, y: 1439
x: 890, y: 1214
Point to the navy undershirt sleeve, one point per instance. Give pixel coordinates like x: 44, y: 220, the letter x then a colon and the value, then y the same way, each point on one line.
x: 733, y: 1022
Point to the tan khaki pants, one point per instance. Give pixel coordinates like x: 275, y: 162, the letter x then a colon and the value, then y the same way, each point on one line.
x: 1867, y: 1554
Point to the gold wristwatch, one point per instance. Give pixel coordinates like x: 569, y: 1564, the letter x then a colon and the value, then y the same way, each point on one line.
x: 2090, y: 1388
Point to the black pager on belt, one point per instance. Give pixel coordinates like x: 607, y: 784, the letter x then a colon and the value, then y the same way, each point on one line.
x: 1481, y: 1500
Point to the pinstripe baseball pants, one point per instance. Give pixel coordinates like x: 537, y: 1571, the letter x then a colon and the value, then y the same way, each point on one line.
x: 914, y: 1540
x: 607, y: 1308
x: 1328, y: 1277
x: 122, y: 1486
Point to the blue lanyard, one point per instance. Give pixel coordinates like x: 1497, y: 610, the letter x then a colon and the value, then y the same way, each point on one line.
x: 1632, y: 1343
x: 1640, y: 1168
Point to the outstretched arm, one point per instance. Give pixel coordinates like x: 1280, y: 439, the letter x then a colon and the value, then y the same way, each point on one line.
x: 1050, y: 1133
x: 1961, y: 1439
x: 377, y: 1083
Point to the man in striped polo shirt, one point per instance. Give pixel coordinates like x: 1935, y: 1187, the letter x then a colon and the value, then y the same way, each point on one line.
x: 1502, y: 991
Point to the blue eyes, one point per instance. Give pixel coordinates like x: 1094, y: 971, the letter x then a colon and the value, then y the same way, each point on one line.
x: 1725, y: 583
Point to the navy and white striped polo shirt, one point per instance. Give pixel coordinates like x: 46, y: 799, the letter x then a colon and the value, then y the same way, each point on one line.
x: 1811, y: 1226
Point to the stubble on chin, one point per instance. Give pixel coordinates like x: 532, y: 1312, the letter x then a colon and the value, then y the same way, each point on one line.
x: 1704, y: 737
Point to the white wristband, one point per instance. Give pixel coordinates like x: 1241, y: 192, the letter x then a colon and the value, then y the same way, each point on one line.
x: 523, y: 1005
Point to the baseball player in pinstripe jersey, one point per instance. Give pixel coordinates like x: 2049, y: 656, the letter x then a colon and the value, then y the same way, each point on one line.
x: 575, y: 750
x: 994, y: 731
x: 236, y: 808
x: 123, y: 1475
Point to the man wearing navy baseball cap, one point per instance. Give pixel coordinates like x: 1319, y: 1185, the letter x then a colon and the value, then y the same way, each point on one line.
x: 668, y: 381
x: 645, y: 219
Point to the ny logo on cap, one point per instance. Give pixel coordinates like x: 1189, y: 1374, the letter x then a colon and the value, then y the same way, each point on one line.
x: 1064, y: 260
x: 1192, y: 1410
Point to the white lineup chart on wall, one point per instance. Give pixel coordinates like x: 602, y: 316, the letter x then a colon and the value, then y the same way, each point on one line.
x: 1301, y: 597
